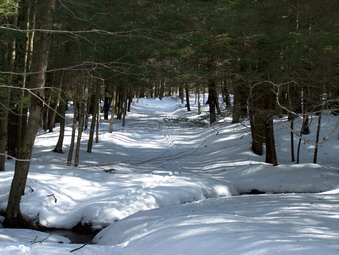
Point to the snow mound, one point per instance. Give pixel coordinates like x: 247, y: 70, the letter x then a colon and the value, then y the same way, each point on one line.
x: 106, y: 198
x: 263, y: 224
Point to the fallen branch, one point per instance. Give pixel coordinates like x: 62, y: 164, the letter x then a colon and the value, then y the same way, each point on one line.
x: 55, y: 199
x: 79, y: 248
x: 35, y: 239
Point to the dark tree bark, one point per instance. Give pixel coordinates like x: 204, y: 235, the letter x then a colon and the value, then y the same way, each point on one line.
x: 236, y: 110
x: 80, y: 128
x: 66, y: 81
x: 262, y: 109
x: 198, y: 95
x: 5, y: 96
x: 240, y: 93
x: 226, y: 95
x: 71, y: 147
x: 187, y: 98
x: 269, y: 104
x: 114, y: 100
x: 291, y: 120
x: 94, y: 118
x: 315, y: 156
x: 257, y: 113
x: 27, y: 19
x: 271, y: 156
x: 124, y: 108
x: 211, y: 101
x: 257, y: 130
x: 181, y: 93
x: 61, y: 112
x: 13, y: 215
x: 107, y: 105
x: 55, y: 104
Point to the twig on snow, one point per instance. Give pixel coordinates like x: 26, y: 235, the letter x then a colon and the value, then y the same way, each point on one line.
x: 82, y: 246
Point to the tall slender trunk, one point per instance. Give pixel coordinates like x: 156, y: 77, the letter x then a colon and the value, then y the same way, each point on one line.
x: 291, y: 119
x: 269, y: 104
x: 212, y: 100
x: 55, y: 104
x: 292, y: 105
x: 187, y: 98
x: 315, y: 156
x: 62, y: 113
x: 71, y: 147
x: 114, y: 100
x: 257, y: 130
x: 181, y: 93
x: 106, y: 106
x: 271, y: 156
x: 199, y: 104
x: 226, y: 95
x: 66, y: 78
x: 13, y: 214
x: 94, y: 119
x: 80, y: 130
x: 98, y: 123
x: 236, y: 110
x: 5, y: 100
x: 30, y: 8
x: 124, y: 109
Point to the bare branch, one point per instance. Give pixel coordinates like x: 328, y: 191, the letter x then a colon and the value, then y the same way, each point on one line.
x: 30, y: 91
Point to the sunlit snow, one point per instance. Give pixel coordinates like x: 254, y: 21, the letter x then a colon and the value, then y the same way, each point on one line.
x: 168, y: 183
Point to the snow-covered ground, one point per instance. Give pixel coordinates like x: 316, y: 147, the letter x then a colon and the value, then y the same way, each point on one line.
x: 168, y: 183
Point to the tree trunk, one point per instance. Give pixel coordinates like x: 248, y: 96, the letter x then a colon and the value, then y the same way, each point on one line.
x: 271, y: 156
x: 120, y: 102
x: 257, y: 131
x: 62, y: 112
x: 124, y: 109
x: 292, y: 91
x: 46, y: 112
x: 162, y: 88
x: 212, y: 100
x: 291, y: 119
x: 236, y: 110
x: 94, y: 119
x: 114, y: 100
x: 181, y: 94
x: 28, y: 22
x: 187, y: 98
x: 257, y: 121
x: 80, y: 130
x: 71, y: 147
x: 13, y: 214
x: 97, y: 124
x: 106, y: 107
x: 199, y: 104
x: 269, y: 105
x: 8, y: 132
x: 226, y: 95
x: 315, y: 156
x: 55, y: 104
x: 5, y: 94
x: 66, y: 81
x: 5, y: 101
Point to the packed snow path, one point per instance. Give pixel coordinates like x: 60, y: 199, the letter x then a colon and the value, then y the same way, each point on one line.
x: 166, y: 157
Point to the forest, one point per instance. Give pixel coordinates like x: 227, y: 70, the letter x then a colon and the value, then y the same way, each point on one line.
x: 255, y: 63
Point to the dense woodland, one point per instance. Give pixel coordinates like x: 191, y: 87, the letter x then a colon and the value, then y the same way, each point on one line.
x: 273, y: 58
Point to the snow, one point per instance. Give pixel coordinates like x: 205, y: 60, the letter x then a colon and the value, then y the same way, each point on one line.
x: 168, y: 183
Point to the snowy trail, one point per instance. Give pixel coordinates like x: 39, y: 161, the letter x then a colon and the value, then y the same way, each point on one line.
x: 166, y: 175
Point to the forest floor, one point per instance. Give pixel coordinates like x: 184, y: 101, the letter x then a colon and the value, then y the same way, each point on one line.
x: 169, y: 183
